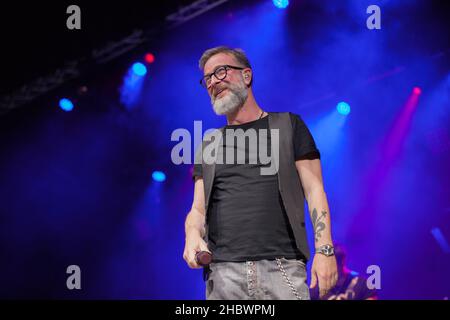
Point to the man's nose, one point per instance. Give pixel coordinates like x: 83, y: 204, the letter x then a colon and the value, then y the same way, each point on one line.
x: 214, y: 81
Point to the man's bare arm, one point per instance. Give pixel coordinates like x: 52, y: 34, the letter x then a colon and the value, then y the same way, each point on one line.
x: 195, y: 219
x: 324, y: 269
x: 195, y: 226
x: 310, y: 173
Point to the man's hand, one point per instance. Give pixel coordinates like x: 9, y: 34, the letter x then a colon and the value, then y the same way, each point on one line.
x: 324, y: 270
x: 194, y: 244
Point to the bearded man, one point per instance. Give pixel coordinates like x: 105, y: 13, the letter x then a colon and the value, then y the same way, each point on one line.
x: 253, y: 223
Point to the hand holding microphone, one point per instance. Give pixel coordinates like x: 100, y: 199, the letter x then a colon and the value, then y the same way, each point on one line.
x: 203, y: 258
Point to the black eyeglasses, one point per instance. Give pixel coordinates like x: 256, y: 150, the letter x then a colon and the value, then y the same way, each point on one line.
x: 220, y: 73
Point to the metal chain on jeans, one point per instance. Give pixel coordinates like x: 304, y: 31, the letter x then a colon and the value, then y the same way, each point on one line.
x: 288, y: 281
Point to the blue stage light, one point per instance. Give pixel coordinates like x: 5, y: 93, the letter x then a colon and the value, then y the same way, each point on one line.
x: 343, y: 108
x: 66, y: 104
x: 281, y: 4
x: 139, y: 69
x: 158, y: 176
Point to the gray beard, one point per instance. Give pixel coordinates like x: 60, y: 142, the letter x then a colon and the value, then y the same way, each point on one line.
x: 232, y: 101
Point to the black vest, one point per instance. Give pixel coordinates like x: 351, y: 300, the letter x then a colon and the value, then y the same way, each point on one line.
x: 289, y: 184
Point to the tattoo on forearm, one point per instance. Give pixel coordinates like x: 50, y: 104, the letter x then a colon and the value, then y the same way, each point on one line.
x: 318, y: 224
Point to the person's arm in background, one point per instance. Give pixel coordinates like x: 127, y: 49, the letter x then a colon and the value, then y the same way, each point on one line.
x: 195, y: 226
x: 324, y: 269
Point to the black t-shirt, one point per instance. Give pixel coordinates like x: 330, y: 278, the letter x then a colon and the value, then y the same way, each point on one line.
x: 246, y: 217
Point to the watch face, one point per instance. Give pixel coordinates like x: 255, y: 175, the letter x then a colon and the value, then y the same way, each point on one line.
x: 326, y: 250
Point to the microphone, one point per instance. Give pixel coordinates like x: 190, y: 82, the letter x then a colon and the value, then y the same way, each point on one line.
x: 203, y: 258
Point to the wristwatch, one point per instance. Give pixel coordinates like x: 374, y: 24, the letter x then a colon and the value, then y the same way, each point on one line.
x: 326, y: 249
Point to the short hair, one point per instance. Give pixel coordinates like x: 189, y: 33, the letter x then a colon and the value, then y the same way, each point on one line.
x: 237, y: 53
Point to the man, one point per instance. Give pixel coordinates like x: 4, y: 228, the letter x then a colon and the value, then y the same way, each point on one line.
x: 350, y: 285
x: 253, y: 223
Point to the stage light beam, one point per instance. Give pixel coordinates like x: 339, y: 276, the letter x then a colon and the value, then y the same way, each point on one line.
x: 281, y: 4
x: 66, y: 104
x: 149, y: 58
x: 139, y: 69
x: 343, y: 108
x: 417, y: 90
x: 158, y: 176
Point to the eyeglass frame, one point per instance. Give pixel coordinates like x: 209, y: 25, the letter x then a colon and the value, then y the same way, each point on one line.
x: 226, y: 66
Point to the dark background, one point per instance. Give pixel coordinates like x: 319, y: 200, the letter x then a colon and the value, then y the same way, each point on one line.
x: 76, y: 187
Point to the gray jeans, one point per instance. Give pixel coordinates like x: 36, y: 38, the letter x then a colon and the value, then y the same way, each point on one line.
x: 279, y: 279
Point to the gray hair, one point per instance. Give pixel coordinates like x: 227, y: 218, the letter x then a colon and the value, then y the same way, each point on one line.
x: 237, y: 53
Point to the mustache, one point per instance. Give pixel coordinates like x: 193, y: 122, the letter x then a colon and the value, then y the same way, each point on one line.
x: 217, y: 90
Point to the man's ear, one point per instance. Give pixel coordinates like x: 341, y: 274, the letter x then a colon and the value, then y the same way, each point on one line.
x: 247, y: 74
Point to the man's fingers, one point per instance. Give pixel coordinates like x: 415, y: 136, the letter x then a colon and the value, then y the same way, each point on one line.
x: 323, y: 293
x: 334, y: 280
x: 313, y: 280
x: 324, y: 285
x: 189, y: 257
x: 329, y: 283
x: 321, y: 287
x: 192, y: 262
x: 193, y: 245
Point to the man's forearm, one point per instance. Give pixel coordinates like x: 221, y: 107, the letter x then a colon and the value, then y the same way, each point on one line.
x: 324, y: 267
x: 195, y: 222
x: 320, y: 217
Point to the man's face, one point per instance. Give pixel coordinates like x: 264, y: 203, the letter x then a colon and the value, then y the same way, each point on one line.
x: 229, y: 94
